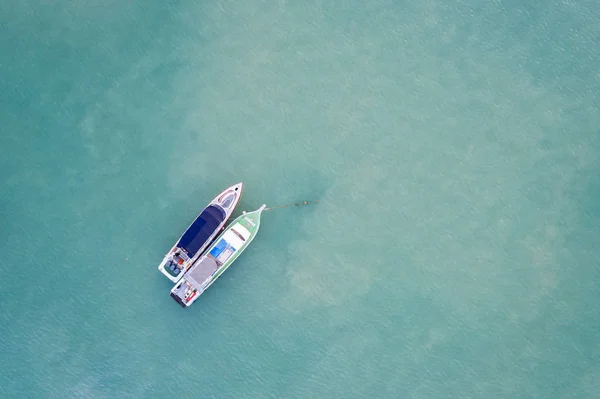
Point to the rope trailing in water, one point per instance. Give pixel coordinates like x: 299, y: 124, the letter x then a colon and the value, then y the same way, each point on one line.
x: 285, y: 206
x: 298, y: 204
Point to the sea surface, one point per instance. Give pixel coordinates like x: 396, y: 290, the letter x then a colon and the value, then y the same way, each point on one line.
x: 453, y: 146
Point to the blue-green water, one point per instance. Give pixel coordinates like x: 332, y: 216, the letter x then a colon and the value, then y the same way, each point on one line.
x: 454, y: 148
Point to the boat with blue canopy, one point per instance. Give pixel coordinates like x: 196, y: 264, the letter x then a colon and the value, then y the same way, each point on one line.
x: 199, y: 235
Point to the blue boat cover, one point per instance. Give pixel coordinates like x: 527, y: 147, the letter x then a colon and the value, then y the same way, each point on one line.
x: 202, y: 228
x: 218, y: 248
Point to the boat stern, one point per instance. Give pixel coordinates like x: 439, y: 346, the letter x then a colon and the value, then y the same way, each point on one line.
x: 184, y: 293
x: 174, y: 264
x: 178, y: 300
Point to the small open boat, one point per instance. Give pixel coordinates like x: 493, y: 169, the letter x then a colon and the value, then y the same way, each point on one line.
x: 200, y: 234
x: 221, y: 254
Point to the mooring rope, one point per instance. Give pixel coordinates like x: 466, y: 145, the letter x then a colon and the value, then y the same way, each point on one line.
x: 298, y: 204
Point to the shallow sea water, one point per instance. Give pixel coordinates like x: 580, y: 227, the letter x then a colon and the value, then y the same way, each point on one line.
x: 453, y: 148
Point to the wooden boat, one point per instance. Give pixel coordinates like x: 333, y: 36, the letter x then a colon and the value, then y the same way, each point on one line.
x: 200, y: 233
x: 221, y: 254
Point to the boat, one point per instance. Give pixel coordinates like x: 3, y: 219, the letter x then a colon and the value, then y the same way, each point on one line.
x: 219, y: 256
x: 200, y: 234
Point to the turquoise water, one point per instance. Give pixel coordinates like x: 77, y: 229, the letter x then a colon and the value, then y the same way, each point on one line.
x: 454, y: 148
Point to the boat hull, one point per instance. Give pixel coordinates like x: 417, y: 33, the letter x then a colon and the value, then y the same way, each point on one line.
x: 200, y: 234
x: 218, y: 258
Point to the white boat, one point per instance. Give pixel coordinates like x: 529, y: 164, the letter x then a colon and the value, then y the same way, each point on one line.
x: 221, y: 254
x: 200, y: 234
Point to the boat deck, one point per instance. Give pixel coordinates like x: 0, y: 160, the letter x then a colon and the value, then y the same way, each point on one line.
x: 202, y: 271
x: 177, y: 261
